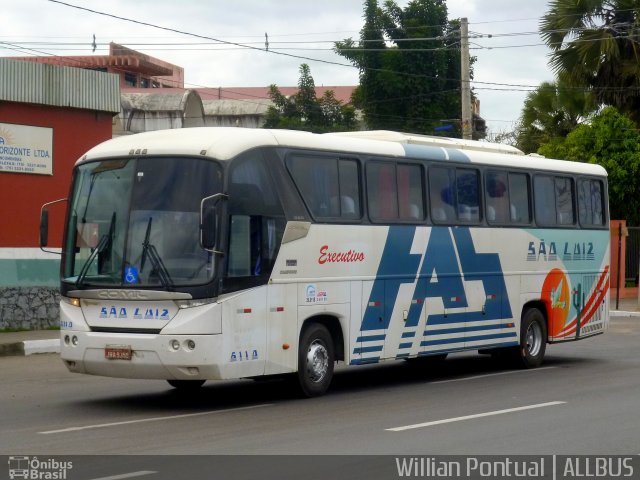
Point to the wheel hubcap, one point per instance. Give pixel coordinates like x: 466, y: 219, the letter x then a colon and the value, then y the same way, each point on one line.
x: 317, y: 361
x: 534, y: 339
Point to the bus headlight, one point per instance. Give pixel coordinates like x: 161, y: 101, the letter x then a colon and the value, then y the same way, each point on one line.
x: 175, y: 345
x: 191, y: 345
x: 71, y: 301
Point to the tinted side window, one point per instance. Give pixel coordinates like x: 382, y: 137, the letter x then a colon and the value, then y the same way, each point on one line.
x: 507, y: 198
x: 519, y: 193
x: 256, y: 219
x: 497, y: 197
x: 395, y: 191
x: 442, y: 196
x: 454, y: 194
x: 330, y: 187
x: 410, y: 192
x: 468, y: 193
x: 545, y: 200
x: 382, y: 194
x: 564, y: 200
x: 554, y: 200
x: 591, y: 202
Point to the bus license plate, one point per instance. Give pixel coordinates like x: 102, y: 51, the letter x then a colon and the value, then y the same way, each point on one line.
x: 117, y: 352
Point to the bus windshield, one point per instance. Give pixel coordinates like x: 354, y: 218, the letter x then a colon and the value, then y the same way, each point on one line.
x: 136, y: 222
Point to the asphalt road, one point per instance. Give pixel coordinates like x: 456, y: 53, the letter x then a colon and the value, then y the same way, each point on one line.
x: 585, y: 399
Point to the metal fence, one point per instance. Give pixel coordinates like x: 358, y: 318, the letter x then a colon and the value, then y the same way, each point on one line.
x: 632, y: 260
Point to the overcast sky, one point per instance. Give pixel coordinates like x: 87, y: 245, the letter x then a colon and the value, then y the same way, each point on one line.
x: 309, y: 28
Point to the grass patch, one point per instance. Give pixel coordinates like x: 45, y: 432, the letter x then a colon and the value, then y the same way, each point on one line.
x: 14, y: 330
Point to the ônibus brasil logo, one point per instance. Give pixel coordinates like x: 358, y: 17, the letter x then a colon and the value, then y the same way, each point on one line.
x: 21, y: 466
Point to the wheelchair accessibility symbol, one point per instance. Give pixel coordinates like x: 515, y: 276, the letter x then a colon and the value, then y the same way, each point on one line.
x: 130, y: 275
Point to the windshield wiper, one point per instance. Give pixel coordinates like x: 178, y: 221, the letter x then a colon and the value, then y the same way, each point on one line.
x: 150, y: 250
x: 105, y: 241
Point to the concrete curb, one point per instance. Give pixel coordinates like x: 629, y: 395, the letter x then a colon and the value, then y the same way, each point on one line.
x: 29, y: 347
x: 623, y: 314
x: 32, y: 347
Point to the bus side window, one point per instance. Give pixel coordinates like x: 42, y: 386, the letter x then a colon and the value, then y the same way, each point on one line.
x: 519, y: 207
x: 564, y: 200
x: 497, y: 197
x: 382, y: 193
x: 410, y: 192
x: 468, y: 195
x: 590, y: 201
x: 441, y: 194
x: 329, y: 186
x: 545, y: 200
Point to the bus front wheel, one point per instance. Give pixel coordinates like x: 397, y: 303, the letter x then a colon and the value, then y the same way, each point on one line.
x: 533, y: 339
x: 315, y: 360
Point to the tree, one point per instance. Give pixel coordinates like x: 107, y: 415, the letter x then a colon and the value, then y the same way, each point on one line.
x: 413, y: 84
x: 553, y: 110
x: 610, y: 140
x: 595, y: 45
x: 304, y: 111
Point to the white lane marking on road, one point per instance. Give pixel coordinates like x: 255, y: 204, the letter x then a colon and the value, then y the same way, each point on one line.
x: 477, y: 415
x: 491, y: 375
x: 154, y: 419
x: 127, y: 475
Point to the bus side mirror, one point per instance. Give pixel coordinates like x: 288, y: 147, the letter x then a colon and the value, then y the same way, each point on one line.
x: 209, y: 220
x: 44, y: 227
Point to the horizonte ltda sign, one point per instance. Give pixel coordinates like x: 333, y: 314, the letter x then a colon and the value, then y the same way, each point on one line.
x: 26, y: 149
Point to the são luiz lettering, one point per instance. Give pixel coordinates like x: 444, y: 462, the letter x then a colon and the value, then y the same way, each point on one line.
x: 349, y: 256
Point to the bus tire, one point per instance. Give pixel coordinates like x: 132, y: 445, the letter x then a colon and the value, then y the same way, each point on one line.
x: 533, y: 339
x: 186, y: 385
x: 315, y: 360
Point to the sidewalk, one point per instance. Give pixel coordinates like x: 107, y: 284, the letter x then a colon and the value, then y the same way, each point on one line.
x: 48, y: 341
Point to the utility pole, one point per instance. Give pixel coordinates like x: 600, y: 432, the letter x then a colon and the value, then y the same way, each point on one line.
x: 465, y: 79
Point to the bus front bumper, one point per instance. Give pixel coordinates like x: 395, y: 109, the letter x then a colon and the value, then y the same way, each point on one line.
x: 152, y: 356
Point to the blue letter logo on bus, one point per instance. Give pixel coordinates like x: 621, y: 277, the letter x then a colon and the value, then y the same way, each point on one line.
x: 449, y: 260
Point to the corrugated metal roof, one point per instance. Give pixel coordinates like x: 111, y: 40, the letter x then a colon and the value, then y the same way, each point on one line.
x: 43, y: 84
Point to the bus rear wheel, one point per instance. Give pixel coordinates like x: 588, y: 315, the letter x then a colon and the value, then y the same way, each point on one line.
x: 315, y: 360
x: 533, y: 339
x: 186, y: 385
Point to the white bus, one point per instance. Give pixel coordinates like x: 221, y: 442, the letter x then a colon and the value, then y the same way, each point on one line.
x: 219, y: 253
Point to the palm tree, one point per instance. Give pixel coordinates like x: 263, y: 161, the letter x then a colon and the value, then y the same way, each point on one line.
x: 551, y: 112
x: 596, y: 45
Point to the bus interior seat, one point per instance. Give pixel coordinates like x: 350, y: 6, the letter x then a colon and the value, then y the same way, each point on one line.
x: 414, y: 211
x: 438, y: 214
x: 491, y: 213
x: 514, y: 213
x: 464, y: 212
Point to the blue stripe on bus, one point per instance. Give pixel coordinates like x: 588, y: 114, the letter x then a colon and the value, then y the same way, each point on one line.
x: 444, y: 341
x: 465, y: 329
x: 370, y: 338
x: 408, y: 334
x: 405, y: 345
x: 374, y: 348
x: 434, y: 153
x: 462, y: 317
x: 364, y: 361
x: 403, y: 355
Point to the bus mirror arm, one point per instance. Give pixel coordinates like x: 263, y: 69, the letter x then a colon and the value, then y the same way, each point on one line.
x: 209, y: 221
x: 44, y: 225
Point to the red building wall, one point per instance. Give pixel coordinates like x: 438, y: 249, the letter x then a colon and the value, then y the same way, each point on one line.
x: 21, y: 195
